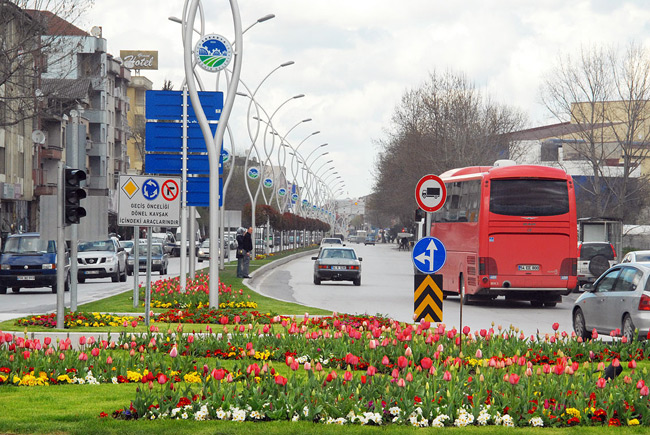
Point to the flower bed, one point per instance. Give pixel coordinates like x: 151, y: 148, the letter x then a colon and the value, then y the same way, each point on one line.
x: 341, y: 369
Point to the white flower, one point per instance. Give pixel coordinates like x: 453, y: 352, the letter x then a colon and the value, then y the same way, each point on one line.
x: 238, y: 414
x: 305, y: 411
x: 439, y: 421
x: 536, y: 422
x: 114, y: 379
x: 395, y: 410
x: 221, y: 414
x: 507, y: 421
x: 184, y: 416
x: 255, y: 415
x: 295, y: 417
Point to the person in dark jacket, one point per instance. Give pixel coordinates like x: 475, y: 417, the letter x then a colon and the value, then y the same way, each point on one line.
x: 248, y: 251
x: 240, y: 253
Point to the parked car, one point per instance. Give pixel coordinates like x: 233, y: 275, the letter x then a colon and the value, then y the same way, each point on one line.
x: 159, y: 260
x: 127, y: 245
x: 636, y: 257
x: 594, y: 258
x: 620, y: 298
x: 204, y: 251
x: 28, y: 261
x: 101, y: 259
x: 337, y: 264
x: 370, y: 240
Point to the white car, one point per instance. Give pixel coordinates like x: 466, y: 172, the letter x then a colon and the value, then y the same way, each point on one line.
x: 101, y: 259
x: 331, y: 242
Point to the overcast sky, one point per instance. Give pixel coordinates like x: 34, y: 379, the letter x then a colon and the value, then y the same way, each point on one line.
x: 355, y: 59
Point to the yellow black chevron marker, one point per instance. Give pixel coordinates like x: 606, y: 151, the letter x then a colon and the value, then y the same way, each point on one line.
x: 428, y: 298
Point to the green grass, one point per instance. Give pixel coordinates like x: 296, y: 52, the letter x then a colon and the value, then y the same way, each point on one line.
x: 123, y: 302
x: 75, y: 409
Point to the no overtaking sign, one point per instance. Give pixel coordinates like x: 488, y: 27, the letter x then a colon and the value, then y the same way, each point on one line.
x: 147, y: 201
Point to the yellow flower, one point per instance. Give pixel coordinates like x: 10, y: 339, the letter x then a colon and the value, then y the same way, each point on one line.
x: 133, y: 376
x: 64, y: 378
x: 3, y: 379
x: 633, y: 422
x: 573, y: 412
x: 192, y: 378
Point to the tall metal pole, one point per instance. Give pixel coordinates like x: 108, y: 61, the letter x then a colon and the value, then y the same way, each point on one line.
x: 147, y: 295
x: 60, y: 251
x: 136, y: 267
x: 183, y: 252
x: 74, y: 229
x: 212, y: 142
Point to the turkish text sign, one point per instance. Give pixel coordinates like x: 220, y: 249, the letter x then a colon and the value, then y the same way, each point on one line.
x: 148, y: 201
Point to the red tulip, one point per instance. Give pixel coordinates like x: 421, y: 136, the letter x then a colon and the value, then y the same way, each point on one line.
x: 26, y: 354
x: 134, y: 323
x: 446, y: 376
x: 385, y: 361
x: 47, y: 341
x: 514, y: 379
x: 556, y: 326
x: 644, y: 390
x: 426, y: 363
x: 371, y: 371
x: 640, y: 384
x: 109, y: 360
x: 162, y: 379
x: 601, y: 382
x: 402, y: 362
x: 466, y: 330
x: 83, y: 357
x: 631, y: 364
x: 281, y: 380
x: 95, y: 351
x: 190, y: 339
x: 347, y: 376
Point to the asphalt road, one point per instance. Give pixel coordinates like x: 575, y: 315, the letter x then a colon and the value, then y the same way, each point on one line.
x: 387, y: 288
x: 42, y: 300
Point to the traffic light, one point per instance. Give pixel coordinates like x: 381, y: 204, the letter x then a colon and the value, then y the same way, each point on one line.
x: 74, y: 193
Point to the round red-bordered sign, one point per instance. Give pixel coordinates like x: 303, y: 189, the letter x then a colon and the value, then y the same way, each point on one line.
x: 170, y: 190
x: 430, y: 193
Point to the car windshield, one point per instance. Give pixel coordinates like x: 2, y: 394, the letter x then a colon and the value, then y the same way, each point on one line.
x: 29, y: 245
x: 127, y: 244
x: 102, y: 245
x: 590, y: 250
x: 156, y: 250
x: 339, y: 253
x: 205, y: 244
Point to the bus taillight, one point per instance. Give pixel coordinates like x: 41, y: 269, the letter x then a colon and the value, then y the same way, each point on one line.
x: 487, y: 266
x: 569, y: 267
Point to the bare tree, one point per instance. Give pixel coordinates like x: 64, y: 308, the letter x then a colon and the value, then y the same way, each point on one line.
x: 605, y: 94
x: 444, y: 124
x: 30, y: 39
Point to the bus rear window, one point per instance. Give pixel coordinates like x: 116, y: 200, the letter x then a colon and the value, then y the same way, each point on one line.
x: 529, y: 197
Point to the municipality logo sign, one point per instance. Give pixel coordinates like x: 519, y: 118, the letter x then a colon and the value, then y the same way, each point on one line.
x: 268, y: 183
x: 253, y: 173
x: 282, y: 191
x: 213, y: 52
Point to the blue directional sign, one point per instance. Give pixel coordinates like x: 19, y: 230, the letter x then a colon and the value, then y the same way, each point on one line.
x: 172, y: 164
x: 167, y: 137
x: 429, y: 255
x: 169, y: 105
x: 150, y: 189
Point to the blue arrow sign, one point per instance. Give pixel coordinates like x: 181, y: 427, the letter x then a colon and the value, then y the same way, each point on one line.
x: 429, y: 255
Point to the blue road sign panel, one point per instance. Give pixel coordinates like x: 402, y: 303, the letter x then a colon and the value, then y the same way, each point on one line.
x: 198, y: 192
x: 168, y: 105
x: 429, y: 255
x: 172, y: 164
x: 167, y: 137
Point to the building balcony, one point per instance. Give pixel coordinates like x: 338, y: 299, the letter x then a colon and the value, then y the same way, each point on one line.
x: 98, y: 149
x: 96, y: 116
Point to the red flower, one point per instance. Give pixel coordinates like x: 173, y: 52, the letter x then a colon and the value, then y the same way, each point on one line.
x: 402, y: 362
x: 281, y: 380
x: 614, y: 422
x: 426, y: 363
x: 556, y: 326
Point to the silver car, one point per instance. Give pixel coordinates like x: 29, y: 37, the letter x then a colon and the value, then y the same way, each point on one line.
x: 101, y: 259
x: 619, y: 299
x: 337, y: 264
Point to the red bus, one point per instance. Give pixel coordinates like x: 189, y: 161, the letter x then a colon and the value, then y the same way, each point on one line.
x: 509, y: 231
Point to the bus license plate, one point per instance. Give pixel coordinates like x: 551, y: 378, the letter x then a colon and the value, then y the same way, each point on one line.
x: 528, y: 267
x: 25, y: 278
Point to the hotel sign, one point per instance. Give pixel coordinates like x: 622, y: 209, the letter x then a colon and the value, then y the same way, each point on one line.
x: 139, y: 59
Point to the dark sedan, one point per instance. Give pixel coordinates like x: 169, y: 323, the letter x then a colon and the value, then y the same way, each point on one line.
x: 337, y: 264
x: 159, y: 259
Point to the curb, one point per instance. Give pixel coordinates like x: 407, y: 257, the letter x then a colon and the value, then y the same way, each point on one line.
x: 257, y: 273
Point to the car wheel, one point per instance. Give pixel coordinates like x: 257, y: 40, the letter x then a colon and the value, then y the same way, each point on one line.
x: 598, y: 265
x: 536, y: 303
x: 81, y: 280
x: 3, y: 290
x: 550, y: 304
x: 116, y: 277
x: 15, y: 289
x: 628, y: 328
x: 316, y: 280
x: 579, y: 324
x: 357, y: 281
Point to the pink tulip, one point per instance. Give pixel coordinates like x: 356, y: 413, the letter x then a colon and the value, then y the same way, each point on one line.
x: 594, y: 334
x: 644, y: 390
x: 190, y: 339
x: 601, y: 382
x: 109, y: 360
x: 281, y: 380
x: 616, y: 362
x: 162, y: 379
x: 640, y: 384
x: 401, y: 383
x: 408, y: 352
x: 371, y: 371
x: 82, y: 340
x: 95, y: 351
x: 446, y: 376
x: 319, y: 367
x: 83, y: 357
x: 395, y: 374
x: 385, y: 361
x: 307, y: 366
x: 479, y: 354
x: 514, y: 379
x: 174, y: 352
x: 47, y: 341
x: 409, y: 377
x: 347, y: 376
x: 372, y: 344
x: 229, y: 378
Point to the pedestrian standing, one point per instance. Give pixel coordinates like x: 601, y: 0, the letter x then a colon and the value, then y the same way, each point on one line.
x: 240, y: 252
x: 248, y: 251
